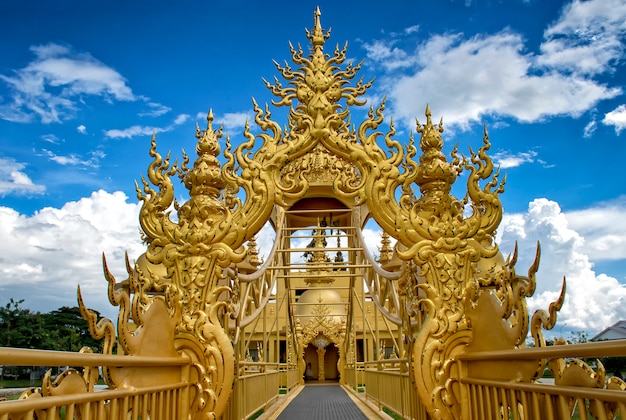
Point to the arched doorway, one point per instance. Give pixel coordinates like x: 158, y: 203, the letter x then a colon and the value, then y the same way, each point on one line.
x: 323, y: 363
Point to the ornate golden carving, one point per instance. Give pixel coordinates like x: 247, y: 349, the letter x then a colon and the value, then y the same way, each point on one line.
x: 453, y: 269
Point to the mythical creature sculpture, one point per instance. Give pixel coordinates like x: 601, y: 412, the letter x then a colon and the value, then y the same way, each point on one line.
x: 457, y: 277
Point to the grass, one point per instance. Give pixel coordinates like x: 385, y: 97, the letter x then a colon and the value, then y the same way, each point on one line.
x: 391, y: 414
x: 257, y: 414
x: 19, y: 383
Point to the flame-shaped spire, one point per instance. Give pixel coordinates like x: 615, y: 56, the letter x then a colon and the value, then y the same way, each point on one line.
x: 204, y: 210
x: 317, y: 37
x: 436, y: 175
x: 386, y: 252
x: 205, y: 176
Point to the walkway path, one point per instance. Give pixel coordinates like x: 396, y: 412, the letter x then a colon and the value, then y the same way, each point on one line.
x: 322, y: 402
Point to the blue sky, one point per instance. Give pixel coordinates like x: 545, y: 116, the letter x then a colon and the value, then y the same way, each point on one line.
x: 84, y: 84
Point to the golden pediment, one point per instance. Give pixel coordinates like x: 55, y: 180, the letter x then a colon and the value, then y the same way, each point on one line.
x: 320, y: 166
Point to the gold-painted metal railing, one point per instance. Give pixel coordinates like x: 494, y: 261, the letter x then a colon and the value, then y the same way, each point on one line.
x: 72, y: 394
x: 573, y: 390
x: 446, y: 336
x: 387, y: 384
x: 259, y: 386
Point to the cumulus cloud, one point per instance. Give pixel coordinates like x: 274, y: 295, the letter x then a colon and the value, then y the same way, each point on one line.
x: 604, y: 229
x: 593, y: 300
x: 616, y: 118
x: 587, y: 38
x: 452, y: 76
x: 46, y: 255
x: 466, y: 79
x: 49, y: 88
x: 13, y: 180
x: 81, y: 129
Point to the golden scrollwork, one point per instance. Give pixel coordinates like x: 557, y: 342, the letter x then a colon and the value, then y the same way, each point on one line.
x: 453, y: 270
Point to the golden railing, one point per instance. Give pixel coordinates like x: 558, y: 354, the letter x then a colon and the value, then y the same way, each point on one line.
x: 77, y: 398
x: 563, y: 397
x: 387, y: 386
x: 258, y: 386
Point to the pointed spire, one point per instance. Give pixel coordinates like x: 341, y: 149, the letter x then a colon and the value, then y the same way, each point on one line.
x: 205, y: 177
x: 436, y: 175
x: 253, y: 254
x: 386, y: 252
x: 317, y: 37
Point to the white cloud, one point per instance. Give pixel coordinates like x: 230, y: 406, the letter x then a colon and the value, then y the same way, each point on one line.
x: 452, y: 75
x: 390, y: 57
x: 133, y: 131
x: 494, y: 74
x: 181, y: 119
x: 49, y: 87
x: 411, y: 29
x: 603, y: 228
x: 593, y: 300
x: 51, y: 138
x: 14, y: 181
x: 81, y: 129
x: 616, y: 118
x: 142, y: 130
x: 46, y: 255
x: 230, y: 120
x: 234, y: 120
x: 73, y: 159
x: 511, y: 160
x: 155, y: 110
x: 590, y: 128
x: 587, y: 38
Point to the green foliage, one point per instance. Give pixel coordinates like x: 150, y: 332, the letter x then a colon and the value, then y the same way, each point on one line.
x: 61, y: 329
x: 18, y: 327
x: 614, y: 365
x: 67, y: 330
x: 578, y: 337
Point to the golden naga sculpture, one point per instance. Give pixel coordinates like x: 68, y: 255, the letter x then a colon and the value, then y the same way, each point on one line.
x: 472, y: 298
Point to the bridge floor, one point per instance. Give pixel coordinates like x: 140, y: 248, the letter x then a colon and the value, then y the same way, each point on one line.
x: 323, y: 402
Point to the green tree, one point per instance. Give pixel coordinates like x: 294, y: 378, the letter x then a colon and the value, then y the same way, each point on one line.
x: 61, y: 329
x: 67, y: 330
x: 578, y: 337
x: 19, y: 327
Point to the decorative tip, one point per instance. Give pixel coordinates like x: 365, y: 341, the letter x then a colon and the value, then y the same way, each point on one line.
x: 209, y: 118
x: 317, y: 37
x: 208, y: 140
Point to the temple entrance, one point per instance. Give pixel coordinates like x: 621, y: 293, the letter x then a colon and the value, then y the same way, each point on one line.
x: 322, y: 363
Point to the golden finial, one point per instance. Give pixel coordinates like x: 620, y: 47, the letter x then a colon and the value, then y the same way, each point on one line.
x: 318, y: 37
x: 252, y: 255
x: 431, y: 135
x: 436, y: 175
x: 208, y: 139
x: 386, y: 252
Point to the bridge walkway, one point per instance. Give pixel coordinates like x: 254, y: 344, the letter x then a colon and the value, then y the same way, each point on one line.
x: 323, y: 402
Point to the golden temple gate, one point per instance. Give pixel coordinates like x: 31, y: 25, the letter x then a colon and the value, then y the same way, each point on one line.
x: 434, y: 326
